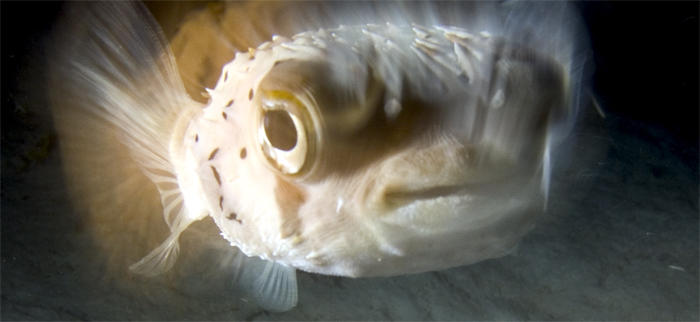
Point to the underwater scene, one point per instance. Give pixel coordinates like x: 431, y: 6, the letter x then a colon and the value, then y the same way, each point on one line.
x: 343, y: 160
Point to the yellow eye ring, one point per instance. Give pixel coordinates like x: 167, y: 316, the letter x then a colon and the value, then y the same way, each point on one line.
x: 283, y: 131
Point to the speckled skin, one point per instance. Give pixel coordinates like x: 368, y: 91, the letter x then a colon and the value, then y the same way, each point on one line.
x: 453, y: 177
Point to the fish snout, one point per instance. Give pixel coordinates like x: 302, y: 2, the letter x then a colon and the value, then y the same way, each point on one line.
x: 443, y: 168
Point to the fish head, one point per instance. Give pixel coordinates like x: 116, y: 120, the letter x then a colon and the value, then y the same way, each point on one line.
x: 336, y: 153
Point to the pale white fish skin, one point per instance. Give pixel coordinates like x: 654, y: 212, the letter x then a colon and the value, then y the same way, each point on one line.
x: 465, y: 186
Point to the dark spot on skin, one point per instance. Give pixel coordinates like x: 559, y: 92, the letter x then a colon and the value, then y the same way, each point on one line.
x: 216, y: 175
x: 223, y: 114
x: 244, y: 153
x: 233, y: 216
x: 276, y: 63
x: 213, y: 154
x: 196, y: 137
x: 229, y: 103
x: 221, y: 202
x: 225, y: 76
x: 250, y: 94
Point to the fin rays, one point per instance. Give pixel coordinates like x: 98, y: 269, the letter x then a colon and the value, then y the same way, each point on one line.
x: 272, y: 285
x: 160, y: 259
x: 276, y: 287
x: 113, y: 67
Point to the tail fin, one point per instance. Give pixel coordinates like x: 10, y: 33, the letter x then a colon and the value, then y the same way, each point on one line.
x: 117, y: 101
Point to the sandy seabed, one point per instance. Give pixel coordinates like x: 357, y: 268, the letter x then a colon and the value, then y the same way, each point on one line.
x: 619, y: 241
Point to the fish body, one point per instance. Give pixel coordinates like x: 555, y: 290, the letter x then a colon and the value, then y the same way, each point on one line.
x: 360, y: 193
x: 360, y: 150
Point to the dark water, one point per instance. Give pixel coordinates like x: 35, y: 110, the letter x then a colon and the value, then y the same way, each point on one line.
x: 619, y: 240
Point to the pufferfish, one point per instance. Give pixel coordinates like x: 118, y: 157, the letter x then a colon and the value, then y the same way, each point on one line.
x: 371, y: 148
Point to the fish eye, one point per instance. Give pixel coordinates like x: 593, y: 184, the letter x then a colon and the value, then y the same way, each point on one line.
x: 282, y: 131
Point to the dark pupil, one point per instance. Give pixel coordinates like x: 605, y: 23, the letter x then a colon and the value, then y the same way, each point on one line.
x: 280, y: 130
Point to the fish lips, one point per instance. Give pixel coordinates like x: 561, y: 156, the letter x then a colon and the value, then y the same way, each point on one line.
x: 443, y: 168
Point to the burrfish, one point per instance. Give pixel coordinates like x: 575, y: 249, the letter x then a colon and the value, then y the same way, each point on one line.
x: 397, y: 144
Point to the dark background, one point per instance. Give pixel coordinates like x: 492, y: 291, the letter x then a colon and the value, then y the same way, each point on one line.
x: 646, y: 57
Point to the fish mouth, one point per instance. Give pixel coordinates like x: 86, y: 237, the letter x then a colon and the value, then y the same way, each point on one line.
x: 436, y: 170
x: 408, y: 195
x: 443, y: 169
x: 494, y: 188
x: 404, y: 195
